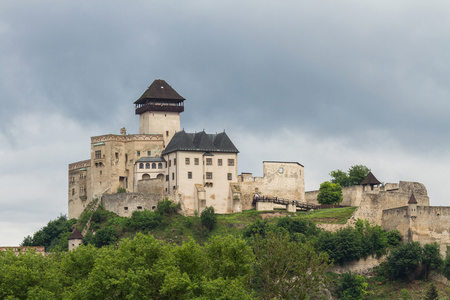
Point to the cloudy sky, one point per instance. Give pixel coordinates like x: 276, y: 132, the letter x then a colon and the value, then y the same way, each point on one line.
x: 329, y: 84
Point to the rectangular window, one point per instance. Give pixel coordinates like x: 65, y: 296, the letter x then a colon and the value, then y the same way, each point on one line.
x: 189, y: 175
x: 167, y: 177
x: 174, y: 161
x: 173, y: 176
x: 149, y: 153
x: 209, y: 161
x: 187, y: 161
x: 98, y: 154
x: 138, y: 153
x: 170, y: 163
x: 230, y: 176
x: 167, y: 132
x: 209, y: 175
x: 230, y: 162
x: 219, y: 162
x: 196, y: 161
x: 117, y: 155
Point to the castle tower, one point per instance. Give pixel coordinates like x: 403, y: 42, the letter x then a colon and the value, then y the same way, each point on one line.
x: 75, y: 239
x: 159, y: 109
x: 370, y: 182
x: 412, y: 206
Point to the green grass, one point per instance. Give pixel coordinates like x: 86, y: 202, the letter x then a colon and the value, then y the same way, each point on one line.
x: 329, y: 216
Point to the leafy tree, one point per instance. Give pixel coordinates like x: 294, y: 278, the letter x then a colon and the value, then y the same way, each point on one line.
x: 431, y: 258
x: 53, y: 236
x: 105, y: 236
x: 432, y: 293
x: 352, y: 286
x: 403, y: 260
x: 330, y: 193
x: 394, y: 238
x: 446, y: 267
x: 208, y: 218
x: 288, y: 269
x: 144, y: 220
x: 354, y: 175
x: 167, y: 207
x: 343, y: 245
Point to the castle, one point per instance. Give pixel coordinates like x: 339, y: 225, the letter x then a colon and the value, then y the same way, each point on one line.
x: 194, y: 169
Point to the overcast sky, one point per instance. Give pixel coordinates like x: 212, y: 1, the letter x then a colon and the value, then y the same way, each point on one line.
x: 329, y: 84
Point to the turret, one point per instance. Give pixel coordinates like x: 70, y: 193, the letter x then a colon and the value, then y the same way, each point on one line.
x: 412, y: 206
x: 159, y: 109
x: 75, y: 239
x: 370, y: 181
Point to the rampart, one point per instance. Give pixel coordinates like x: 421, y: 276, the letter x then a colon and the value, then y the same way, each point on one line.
x: 124, y: 204
x: 351, y: 195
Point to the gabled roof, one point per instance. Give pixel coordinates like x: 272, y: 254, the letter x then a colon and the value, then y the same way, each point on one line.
x: 200, y: 141
x: 76, y: 235
x: 160, y: 90
x: 370, y: 180
x: 412, y: 200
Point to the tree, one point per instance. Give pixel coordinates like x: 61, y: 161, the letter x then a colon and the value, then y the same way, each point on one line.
x: 208, y: 218
x: 431, y: 258
x: 352, y: 286
x: 354, y: 175
x: 446, y: 269
x: 288, y: 269
x: 330, y: 193
x: 403, y: 260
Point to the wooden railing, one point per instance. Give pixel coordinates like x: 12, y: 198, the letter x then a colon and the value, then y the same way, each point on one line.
x: 302, y: 205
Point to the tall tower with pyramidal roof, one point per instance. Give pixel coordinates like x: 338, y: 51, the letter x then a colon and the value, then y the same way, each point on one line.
x: 159, y: 109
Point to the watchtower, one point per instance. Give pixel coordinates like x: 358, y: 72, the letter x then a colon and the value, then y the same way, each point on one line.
x: 159, y: 108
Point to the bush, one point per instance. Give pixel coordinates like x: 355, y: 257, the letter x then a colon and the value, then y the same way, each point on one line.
x: 351, y: 286
x: 105, y: 236
x: 394, y: 238
x: 404, y: 260
x: 167, y: 207
x: 446, y: 268
x: 121, y: 190
x: 329, y: 193
x: 144, y: 220
x: 208, y: 218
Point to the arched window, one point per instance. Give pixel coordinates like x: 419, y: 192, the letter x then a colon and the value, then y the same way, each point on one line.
x: 141, y: 166
x: 153, y: 165
x: 159, y: 165
x: 147, y: 165
x: 145, y: 177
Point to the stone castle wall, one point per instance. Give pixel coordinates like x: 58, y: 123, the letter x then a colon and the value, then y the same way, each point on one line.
x: 351, y: 195
x: 125, y: 204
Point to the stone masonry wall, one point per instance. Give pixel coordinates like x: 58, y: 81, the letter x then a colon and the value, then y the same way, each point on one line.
x: 126, y: 203
x: 351, y: 195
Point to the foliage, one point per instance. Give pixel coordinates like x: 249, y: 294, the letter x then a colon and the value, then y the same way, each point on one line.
x: 394, y: 238
x: 259, y: 227
x: 105, y: 236
x: 121, y: 190
x: 329, y: 193
x: 354, y: 176
x: 287, y: 269
x: 208, y: 218
x: 431, y: 259
x: 302, y: 226
x: 343, y: 245
x: 54, y: 236
x: 446, y: 264
x: 144, y: 220
x: 403, y: 260
x: 432, y: 293
x: 352, y: 286
x: 167, y: 208
x: 373, y: 238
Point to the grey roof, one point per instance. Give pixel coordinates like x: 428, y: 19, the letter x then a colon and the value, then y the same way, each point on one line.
x: 151, y: 159
x: 200, y: 141
x: 160, y: 90
x: 76, y: 235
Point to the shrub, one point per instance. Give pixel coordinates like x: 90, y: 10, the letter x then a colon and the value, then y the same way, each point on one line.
x: 144, y: 220
x: 208, y: 218
x: 329, y: 193
x: 403, y: 260
x: 121, y: 190
x: 351, y: 286
x: 167, y: 207
x: 105, y: 236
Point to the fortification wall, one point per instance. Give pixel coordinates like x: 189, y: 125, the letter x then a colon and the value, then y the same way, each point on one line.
x: 361, y: 266
x: 351, y: 196
x: 150, y: 186
x: 126, y: 203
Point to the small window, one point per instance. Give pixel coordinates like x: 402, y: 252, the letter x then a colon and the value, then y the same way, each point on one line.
x: 159, y: 165
x: 187, y: 161
x: 189, y: 175
x: 154, y: 207
x: 147, y: 165
x: 125, y: 208
x: 170, y: 163
x: 153, y: 165
x: 167, y: 178
x: 219, y: 162
x: 167, y: 132
x: 173, y: 188
x: 101, y: 173
x: 174, y: 161
x: 230, y: 176
x: 98, y: 154
x: 209, y: 161
x: 141, y: 165
x: 209, y: 175
x: 173, y: 176
x: 230, y: 162
x: 117, y: 155
x: 139, y: 207
x: 149, y: 153
x: 73, y: 192
x: 138, y: 153
x: 196, y: 161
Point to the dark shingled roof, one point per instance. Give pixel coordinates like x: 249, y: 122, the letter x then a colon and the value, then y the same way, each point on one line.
x: 160, y: 90
x: 200, y: 141
x: 412, y: 200
x: 370, y: 180
x: 76, y: 235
